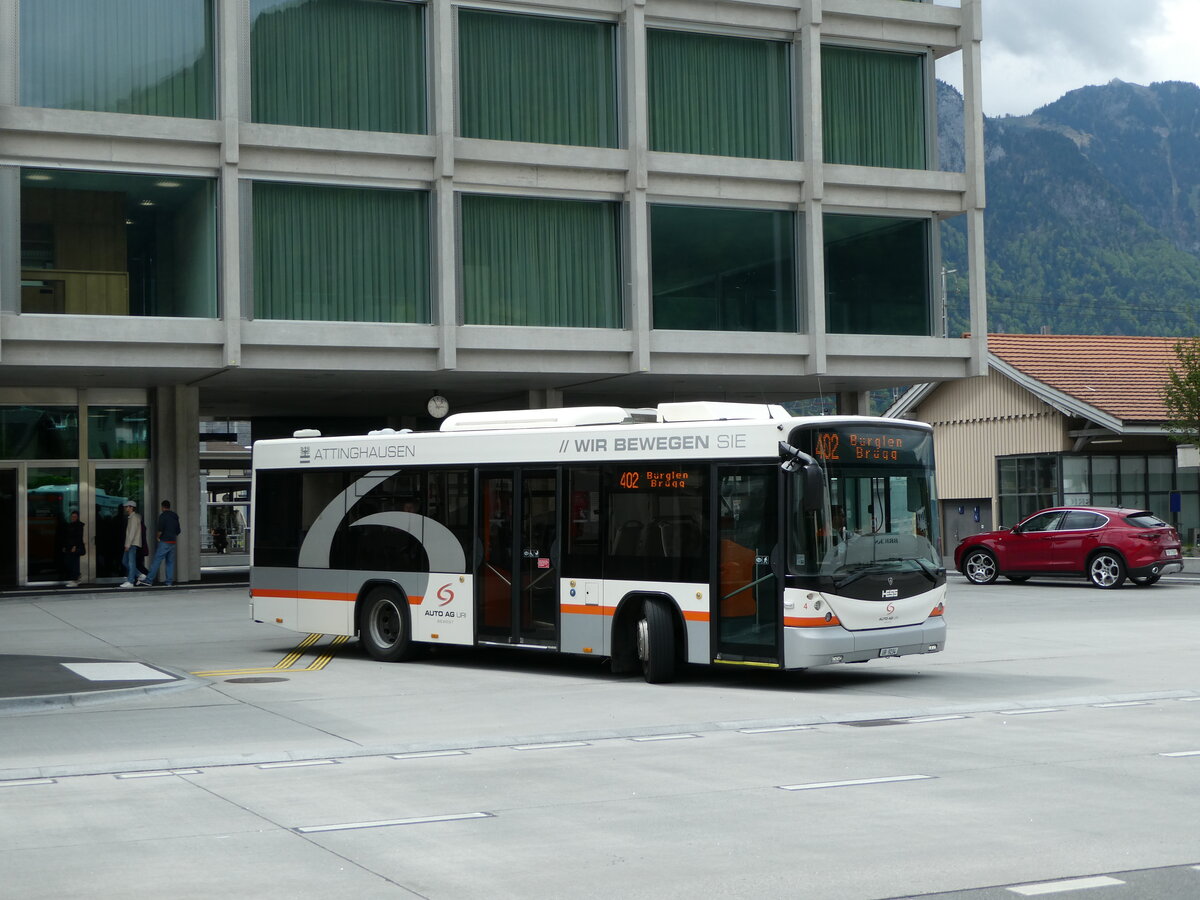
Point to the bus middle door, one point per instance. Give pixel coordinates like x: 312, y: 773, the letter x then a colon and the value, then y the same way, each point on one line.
x: 517, y: 583
x: 748, y: 590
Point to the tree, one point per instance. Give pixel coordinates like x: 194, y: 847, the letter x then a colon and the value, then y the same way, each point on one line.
x: 1182, y: 393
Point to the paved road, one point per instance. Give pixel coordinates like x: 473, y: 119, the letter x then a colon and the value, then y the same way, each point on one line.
x: 1049, y: 742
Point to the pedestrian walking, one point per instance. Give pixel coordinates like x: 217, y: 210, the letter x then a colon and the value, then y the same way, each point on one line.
x: 74, y: 546
x: 164, y: 552
x: 133, y: 540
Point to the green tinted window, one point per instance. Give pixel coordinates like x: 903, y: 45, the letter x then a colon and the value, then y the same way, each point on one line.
x: 357, y: 64
x: 536, y: 78
x: 528, y: 261
x: 873, y: 108
x: 723, y: 269
x: 877, y: 275
x: 722, y: 96
x: 39, y: 432
x: 118, y: 432
x: 340, y: 254
x: 149, y: 57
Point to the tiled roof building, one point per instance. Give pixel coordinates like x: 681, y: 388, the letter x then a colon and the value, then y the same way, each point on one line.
x: 1075, y: 419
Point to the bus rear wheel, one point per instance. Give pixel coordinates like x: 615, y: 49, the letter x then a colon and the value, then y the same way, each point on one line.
x: 384, y: 630
x: 656, y: 643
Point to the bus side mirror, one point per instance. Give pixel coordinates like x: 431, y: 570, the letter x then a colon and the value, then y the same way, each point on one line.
x: 794, y: 460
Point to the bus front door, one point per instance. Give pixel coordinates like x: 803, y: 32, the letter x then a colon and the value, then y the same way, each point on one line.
x: 517, y: 581
x: 748, y: 589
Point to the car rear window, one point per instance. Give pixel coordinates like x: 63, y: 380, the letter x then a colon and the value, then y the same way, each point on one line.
x: 1145, y: 520
x: 1076, y: 520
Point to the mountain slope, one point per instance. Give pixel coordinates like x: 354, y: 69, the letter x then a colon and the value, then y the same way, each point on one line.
x: 1093, y: 212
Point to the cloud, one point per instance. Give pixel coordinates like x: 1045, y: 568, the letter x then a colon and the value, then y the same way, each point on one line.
x: 1088, y: 33
x: 1034, y: 51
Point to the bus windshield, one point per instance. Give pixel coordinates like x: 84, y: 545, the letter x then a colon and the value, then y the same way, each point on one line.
x: 881, y: 513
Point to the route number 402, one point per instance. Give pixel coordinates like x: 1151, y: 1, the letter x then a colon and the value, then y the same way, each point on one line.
x: 827, y: 445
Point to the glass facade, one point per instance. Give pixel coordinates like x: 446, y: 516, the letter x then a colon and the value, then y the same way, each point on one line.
x: 106, y: 244
x: 356, y: 64
x: 340, y: 254
x: 723, y: 269
x: 148, y: 57
x: 1138, y: 481
x: 39, y: 432
x: 118, y: 432
x: 719, y: 95
x: 535, y: 262
x: 877, y: 275
x: 873, y: 108
x: 537, y: 78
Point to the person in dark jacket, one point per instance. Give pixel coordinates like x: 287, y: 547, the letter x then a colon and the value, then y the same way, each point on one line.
x: 168, y: 538
x: 74, y: 547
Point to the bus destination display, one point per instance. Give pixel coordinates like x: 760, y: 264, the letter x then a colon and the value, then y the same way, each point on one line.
x: 853, y: 446
x: 652, y: 479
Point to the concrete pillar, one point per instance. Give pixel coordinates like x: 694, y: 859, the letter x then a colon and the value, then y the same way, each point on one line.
x: 545, y: 398
x: 175, y: 471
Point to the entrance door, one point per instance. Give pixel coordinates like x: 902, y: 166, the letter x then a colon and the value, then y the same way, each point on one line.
x: 51, y: 492
x: 9, y: 514
x: 114, y: 487
x: 748, y: 589
x: 517, y: 591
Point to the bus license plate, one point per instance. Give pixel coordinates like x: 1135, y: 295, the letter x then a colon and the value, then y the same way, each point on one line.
x: 890, y: 651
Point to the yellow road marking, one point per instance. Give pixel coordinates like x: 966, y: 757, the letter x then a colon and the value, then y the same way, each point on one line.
x: 286, y: 664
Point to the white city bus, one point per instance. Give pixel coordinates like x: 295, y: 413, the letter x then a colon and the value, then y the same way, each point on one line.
x: 691, y: 533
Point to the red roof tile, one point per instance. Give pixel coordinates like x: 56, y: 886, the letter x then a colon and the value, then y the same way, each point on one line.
x: 1122, y: 376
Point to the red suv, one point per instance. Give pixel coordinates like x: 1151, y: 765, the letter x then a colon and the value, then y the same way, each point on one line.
x: 1105, y: 544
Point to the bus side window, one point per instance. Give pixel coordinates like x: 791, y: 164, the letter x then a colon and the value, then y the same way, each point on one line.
x: 582, y: 527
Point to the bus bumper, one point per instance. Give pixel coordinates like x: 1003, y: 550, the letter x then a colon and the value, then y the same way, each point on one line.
x: 807, y: 648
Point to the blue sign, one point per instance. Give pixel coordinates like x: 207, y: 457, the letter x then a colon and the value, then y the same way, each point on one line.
x: 1176, y: 501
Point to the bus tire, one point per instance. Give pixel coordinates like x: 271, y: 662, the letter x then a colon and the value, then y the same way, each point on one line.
x: 656, y: 642
x: 384, y: 629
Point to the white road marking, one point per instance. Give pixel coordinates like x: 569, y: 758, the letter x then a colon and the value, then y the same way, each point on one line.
x: 665, y: 737
x: 424, y: 820
x: 1028, y: 712
x: 162, y: 774
x: 562, y: 745
x: 1058, y: 887
x: 815, y: 785
x: 921, y: 719
x: 429, y: 754
x: 117, y: 671
x: 772, y: 730
x: 27, y: 782
x: 1124, y: 703
x: 298, y: 764
x: 1182, y: 753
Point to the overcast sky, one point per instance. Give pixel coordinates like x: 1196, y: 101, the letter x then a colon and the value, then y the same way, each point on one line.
x: 1034, y: 51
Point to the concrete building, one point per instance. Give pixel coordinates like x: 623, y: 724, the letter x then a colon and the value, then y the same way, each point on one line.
x: 1059, y: 419
x: 321, y: 211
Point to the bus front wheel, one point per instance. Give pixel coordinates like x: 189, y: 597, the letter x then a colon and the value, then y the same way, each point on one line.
x: 656, y: 643
x: 384, y: 630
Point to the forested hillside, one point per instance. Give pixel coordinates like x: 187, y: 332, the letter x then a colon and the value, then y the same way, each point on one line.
x: 1093, y: 212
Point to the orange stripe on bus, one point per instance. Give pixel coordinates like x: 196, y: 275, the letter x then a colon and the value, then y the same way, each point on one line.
x: 305, y: 595
x: 818, y: 622
x: 574, y: 609
x: 321, y: 595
